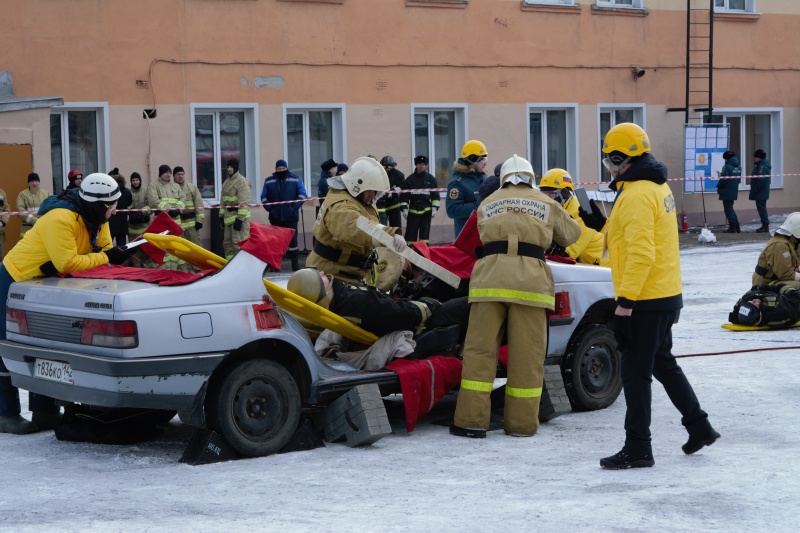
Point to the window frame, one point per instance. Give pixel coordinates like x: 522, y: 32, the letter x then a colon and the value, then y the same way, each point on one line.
x: 339, y: 141
x: 549, y: 2
x: 573, y: 141
x: 639, y: 117
x: 635, y: 4
x: 749, y: 7
x: 461, y: 112
x: 251, y: 141
x: 100, y: 110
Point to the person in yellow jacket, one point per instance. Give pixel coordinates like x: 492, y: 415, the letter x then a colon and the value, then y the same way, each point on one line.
x: 557, y: 184
x: 779, y: 259
x: 3, y: 222
x: 234, y: 209
x: 340, y: 248
x: 642, y: 239
x: 511, y: 288
x: 166, y: 195
x: 72, y: 234
x: 29, y: 200
x: 191, y: 219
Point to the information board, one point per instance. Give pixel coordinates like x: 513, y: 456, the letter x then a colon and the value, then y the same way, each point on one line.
x: 703, y: 146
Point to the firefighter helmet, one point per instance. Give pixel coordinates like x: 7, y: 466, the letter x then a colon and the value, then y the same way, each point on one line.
x: 365, y: 174
x: 74, y: 174
x: 556, y: 178
x: 790, y: 226
x: 473, y: 150
x: 388, y: 161
x: 308, y: 284
x: 749, y: 314
x: 517, y: 170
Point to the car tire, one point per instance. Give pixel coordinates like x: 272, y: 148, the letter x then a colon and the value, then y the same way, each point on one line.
x: 255, y: 407
x: 592, y: 369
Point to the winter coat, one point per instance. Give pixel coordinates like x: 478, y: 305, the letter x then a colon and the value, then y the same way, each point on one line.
x: 166, y: 196
x: 138, y: 221
x: 235, y: 192
x: 778, y: 261
x: 336, y: 228
x: 462, y: 195
x: 60, y: 236
x: 419, y: 204
x: 759, y: 187
x: 517, y: 214
x: 642, y: 239
x: 191, y: 198
x: 728, y: 189
x: 322, y: 185
x: 589, y: 247
x: 277, y: 189
x: 30, y: 200
x: 118, y: 223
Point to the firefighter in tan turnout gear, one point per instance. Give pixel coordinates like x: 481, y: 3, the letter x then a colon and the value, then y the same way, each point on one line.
x: 191, y: 219
x: 235, y: 209
x: 29, y: 201
x: 341, y: 249
x: 166, y: 195
x: 511, y: 286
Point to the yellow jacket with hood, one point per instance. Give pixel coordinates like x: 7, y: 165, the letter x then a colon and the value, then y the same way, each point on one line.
x: 642, y: 239
x: 588, y: 248
x: 61, y: 236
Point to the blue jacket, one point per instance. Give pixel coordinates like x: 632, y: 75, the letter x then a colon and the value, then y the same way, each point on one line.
x: 462, y: 195
x: 759, y: 187
x: 283, y: 189
x: 729, y: 189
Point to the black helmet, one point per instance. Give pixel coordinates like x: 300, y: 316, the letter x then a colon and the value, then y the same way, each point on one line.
x: 388, y: 161
x: 749, y: 314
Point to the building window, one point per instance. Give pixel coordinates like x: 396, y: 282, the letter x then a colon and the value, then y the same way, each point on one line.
x: 551, y: 2
x: 220, y: 135
x: 439, y: 133
x: 636, y: 4
x: 77, y: 140
x: 750, y: 131
x: 551, y: 136
x: 313, y: 135
x: 610, y: 117
x: 741, y: 6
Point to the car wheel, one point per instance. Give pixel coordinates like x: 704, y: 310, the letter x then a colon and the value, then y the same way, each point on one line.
x: 592, y: 373
x: 255, y: 407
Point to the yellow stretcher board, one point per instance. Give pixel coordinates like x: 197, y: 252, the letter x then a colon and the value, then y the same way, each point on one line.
x: 297, y: 305
x: 741, y: 327
x: 187, y: 250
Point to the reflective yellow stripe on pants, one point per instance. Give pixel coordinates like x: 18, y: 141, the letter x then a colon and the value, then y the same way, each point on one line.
x: 480, y: 386
x: 535, y: 392
x: 494, y: 294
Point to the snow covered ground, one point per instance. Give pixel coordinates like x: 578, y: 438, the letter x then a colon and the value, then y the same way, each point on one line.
x: 430, y: 481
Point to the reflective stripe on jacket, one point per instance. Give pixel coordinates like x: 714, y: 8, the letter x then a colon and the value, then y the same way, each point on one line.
x: 235, y: 192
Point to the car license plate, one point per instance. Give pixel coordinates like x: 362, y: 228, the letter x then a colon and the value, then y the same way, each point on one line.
x: 53, y: 371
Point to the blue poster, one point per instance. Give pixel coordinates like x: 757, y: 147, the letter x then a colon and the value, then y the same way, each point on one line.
x: 703, y: 146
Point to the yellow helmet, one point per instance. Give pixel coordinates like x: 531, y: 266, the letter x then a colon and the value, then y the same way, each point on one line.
x: 557, y: 178
x: 473, y: 150
x: 627, y: 138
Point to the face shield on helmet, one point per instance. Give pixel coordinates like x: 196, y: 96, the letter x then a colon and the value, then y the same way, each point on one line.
x: 517, y: 170
x: 622, y: 143
x: 790, y: 226
x: 366, y: 174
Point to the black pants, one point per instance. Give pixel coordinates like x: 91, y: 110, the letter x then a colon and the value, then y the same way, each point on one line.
x: 294, y: 248
x: 418, y: 227
x: 650, y: 355
x: 393, y: 217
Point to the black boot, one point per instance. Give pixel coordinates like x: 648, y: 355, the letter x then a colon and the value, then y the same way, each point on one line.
x: 763, y: 229
x: 736, y: 227
x: 295, y: 263
x: 731, y: 228
x: 16, y: 425
x: 45, y: 421
x: 700, y: 439
x: 472, y: 433
x: 624, y: 460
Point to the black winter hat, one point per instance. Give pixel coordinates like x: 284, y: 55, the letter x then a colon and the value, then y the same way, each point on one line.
x: 421, y: 159
x: 761, y: 154
x: 327, y: 165
x: 163, y: 169
x: 135, y: 176
x: 177, y: 169
x: 234, y: 164
x: 33, y: 176
x: 342, y: 167
x: 728, y: 154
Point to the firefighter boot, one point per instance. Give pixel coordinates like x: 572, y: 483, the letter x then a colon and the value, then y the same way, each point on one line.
x: 45, y: 421
x: 295, y: 262
x: 16, y: 425
x: 763, y: 229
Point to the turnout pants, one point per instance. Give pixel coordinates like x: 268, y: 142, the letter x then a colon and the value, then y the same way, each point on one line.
x: 418, y: 228
x: 230, y: 237
x: 527, y: 344
x: 650, y: 355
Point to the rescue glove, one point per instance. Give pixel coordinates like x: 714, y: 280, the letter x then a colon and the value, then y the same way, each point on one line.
x: 404, y: 212
x: 117, y: 255
x: 174, y: 213
x: 49, y: 269
x: 237, y: 224
x: 432, y: 303
x: 595, y: 220
x: 198, y: 225
x: 433, y: 211
x: 399, y: 243
x: 622, y: 332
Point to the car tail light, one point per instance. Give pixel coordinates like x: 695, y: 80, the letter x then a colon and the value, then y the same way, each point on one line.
x: 16, y: 321
x: 562, y: 314
x: 267, y: 316
x: 109, y: 333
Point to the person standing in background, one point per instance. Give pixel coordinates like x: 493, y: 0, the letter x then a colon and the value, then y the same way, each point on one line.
x: 759, y: 187
x: 118, y: 223
x: 728, y: 190
x: 280, y: 188
x: 329, y: 167
x: 29, y: 200
x: 419, y: 208
x: 468, y: 173
x: 191, y: 219
x: 138, y: 220
x: 341, y: 168
x: 389, y: 204
x: 166, y: 195
x: 3, y: 223
x: 75, y: 178
x: 235, y: 209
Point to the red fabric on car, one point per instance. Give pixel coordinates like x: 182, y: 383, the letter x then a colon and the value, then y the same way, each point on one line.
x: 268, y: 243
x: 424, y: 382
x: 149, y: 275
x: 448, y: 257
x: 469, y: 238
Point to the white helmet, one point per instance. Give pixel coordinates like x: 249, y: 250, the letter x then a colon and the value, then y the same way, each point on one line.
x: 790, y: 226
x: 99, y: 187
x: 365, y: 174
x: 517, y: 170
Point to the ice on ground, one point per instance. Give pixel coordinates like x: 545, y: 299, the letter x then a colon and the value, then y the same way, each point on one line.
x: 706, y: 236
